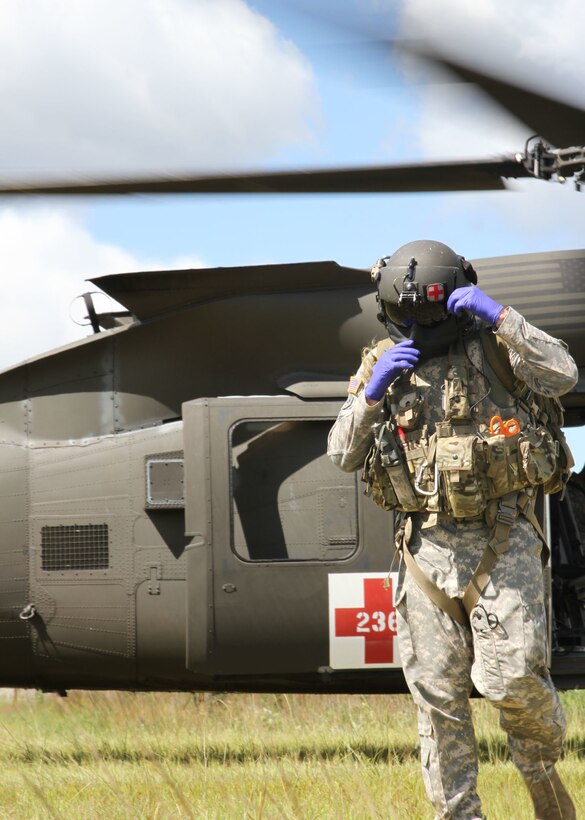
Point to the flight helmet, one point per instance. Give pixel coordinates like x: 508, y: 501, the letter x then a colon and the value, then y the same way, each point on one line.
x: 413, y: 284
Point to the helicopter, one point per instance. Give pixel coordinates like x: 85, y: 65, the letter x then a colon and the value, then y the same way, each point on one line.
x: 167, y: 525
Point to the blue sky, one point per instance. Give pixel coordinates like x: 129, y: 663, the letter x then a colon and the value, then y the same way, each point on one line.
x: 97, y: 86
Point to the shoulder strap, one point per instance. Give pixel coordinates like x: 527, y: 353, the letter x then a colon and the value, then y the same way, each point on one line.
x: 496, y: 352
x: 385, y: 344
x: 452, y: 606
x: 370, y: 356
x: 548, y: 408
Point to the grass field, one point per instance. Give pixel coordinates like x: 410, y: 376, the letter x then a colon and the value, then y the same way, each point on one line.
x: 121, y: 755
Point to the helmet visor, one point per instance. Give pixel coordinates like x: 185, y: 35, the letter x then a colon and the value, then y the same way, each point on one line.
x: 423, y: 308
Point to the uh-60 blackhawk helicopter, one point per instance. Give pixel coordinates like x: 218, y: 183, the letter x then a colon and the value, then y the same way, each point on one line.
x: 169, y: 518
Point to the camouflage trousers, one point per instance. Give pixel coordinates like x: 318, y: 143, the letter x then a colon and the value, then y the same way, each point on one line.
x: 503, y: 652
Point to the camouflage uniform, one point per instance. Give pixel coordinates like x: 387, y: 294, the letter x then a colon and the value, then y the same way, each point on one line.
x: 504, y: 651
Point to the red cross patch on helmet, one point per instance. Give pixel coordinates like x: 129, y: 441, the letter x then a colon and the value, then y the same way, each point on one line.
x: 435, y: 292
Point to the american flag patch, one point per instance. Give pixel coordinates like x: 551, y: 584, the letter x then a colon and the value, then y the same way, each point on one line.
x: 354, y: 385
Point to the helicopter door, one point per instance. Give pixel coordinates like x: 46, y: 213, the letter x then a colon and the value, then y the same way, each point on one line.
x: 271, y: 518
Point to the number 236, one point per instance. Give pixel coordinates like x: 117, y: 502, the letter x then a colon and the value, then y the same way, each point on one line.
x: 376, y: 621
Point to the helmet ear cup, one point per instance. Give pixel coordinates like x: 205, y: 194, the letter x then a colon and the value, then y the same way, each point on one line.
x: 468, y: 270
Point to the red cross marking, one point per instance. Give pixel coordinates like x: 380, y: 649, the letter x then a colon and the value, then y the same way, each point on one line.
x: 375, y: 621
x: 436, y: 292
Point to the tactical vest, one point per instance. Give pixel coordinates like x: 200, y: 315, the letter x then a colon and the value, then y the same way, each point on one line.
x: 466, y: 462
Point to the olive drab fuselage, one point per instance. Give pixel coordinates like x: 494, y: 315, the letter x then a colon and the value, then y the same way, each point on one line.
x: 434, y: 450
x: 146, y: 480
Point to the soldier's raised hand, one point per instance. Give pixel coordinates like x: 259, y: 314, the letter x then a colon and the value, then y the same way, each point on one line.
x: 403, y: 356
x: 476, y: 302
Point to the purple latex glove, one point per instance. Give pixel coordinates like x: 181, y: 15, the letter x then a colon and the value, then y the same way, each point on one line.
x: 403, y: 356
x: 476, y: 302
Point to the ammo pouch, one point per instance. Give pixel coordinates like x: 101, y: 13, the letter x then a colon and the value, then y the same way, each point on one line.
x: 474, y: 470
x: 564, y: 463
x: 471, y: 469
x: 378, y: 481
x: 459, y: 461
x: 526, y: 460
x: 386, y: 472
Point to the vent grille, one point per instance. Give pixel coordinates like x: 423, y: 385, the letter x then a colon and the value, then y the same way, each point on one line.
x: 79, y: 546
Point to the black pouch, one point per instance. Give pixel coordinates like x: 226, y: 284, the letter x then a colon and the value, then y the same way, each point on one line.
x: 379, y: 485
x: 388, y: 455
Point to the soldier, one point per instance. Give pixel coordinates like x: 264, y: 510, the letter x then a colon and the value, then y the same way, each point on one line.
x: 450, y: 425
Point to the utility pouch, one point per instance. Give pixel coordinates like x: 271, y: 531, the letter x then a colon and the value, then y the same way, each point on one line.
x: 538, y: 456
x: 401, y: 485
x: 458, y: 465
x: 503, y: 473
x: 565, y: 462
x: 379, y: 485
x: 456, y: 392
x: 526, y: 460
x: 408, y: 409
x: 393, y: 461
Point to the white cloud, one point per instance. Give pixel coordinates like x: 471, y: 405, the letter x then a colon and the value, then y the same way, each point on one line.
x: 45, y: 257
x: 116, y: 86
x: 455, y: 123
x: 504, y: 33
x: 538, y: 46
x: 107, y: 85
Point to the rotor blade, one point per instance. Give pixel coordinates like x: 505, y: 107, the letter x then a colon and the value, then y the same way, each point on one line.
x: 560, y: 123
x: 483, y: 175
x: 150, y: 293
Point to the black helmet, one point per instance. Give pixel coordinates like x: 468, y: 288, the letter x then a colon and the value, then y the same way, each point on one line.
x: 413, y: 284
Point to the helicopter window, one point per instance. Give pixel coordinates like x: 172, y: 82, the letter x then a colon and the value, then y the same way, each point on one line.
x: 289, y: 502
x: 76, y: 546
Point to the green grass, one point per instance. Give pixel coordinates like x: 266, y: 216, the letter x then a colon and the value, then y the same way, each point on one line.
x: 119, y: 755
